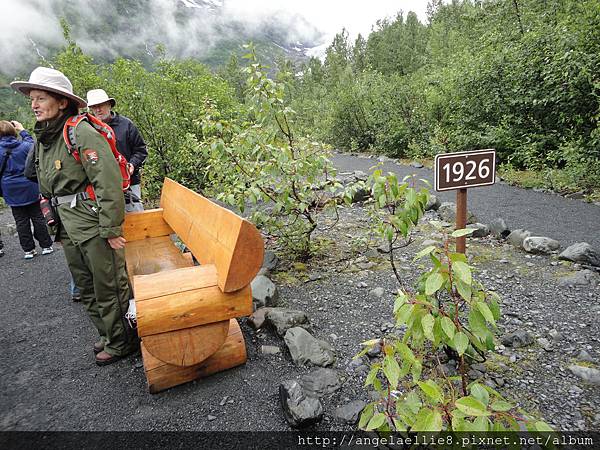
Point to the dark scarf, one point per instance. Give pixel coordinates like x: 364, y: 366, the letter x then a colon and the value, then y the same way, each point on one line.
x: 47, y: 132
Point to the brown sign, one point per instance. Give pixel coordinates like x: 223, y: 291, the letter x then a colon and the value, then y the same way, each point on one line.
x: 465, y: 169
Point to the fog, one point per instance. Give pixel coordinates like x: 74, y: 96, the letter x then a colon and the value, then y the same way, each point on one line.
x: 32, y: 27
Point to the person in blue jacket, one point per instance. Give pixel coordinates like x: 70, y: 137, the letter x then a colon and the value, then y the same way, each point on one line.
x: 21, y: 194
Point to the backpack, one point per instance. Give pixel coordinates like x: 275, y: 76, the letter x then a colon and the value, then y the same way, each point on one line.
x: 107, y: 133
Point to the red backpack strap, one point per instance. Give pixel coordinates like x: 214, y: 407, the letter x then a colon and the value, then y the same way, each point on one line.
x: 69, y: 134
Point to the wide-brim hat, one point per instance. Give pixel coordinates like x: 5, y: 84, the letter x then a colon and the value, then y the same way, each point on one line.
x: 50, y: 80
x: 99, y: 96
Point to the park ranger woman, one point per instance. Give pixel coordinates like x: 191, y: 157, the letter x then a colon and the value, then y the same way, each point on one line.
x: 90, y: 230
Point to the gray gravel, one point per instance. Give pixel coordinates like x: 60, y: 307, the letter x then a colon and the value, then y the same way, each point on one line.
x: 566, y: 220
x: 48, y: 379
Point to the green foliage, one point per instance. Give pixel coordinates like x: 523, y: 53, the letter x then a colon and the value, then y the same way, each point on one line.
x: 166, y: 104
x: 263, y: 162
x: 451, y: 311
x: 517, y: 76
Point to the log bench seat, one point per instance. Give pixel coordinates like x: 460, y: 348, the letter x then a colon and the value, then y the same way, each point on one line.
x: 186, y: 312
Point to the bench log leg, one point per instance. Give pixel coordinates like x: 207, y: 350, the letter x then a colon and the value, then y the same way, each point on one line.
x: 161, y: 375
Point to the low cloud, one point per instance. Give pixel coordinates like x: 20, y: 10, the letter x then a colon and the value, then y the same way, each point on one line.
x: 110, y: 28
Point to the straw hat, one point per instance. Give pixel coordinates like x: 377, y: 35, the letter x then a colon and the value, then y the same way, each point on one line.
x: 50, y: 80
x: 98, y: 96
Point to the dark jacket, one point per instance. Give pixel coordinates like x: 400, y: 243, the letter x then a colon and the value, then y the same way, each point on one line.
x: 129, y: 143
x: 16, y: 189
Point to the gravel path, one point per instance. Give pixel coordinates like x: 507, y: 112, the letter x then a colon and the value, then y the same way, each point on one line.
x: 48, y: 380
x: 566, y: 220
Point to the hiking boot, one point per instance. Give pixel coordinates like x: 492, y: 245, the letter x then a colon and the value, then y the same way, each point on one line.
x: 76, y: 298
x: 104, y: 359
x: 98, y: 346
x: 1, y: 253
x: 47, y: 250
x: 30, y: 255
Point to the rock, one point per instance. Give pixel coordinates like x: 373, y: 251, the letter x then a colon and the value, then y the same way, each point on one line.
x: 350, y: 412
x: 375, y: 350
x: 416, y: 165
x: 447, y: 212
x: 299, y: 409
x: 588, y: 374
x: 264, y: 272
x: 433, y: 203
x: 270, y: 349
x: 581, y: 252
x: 359, y: 175
x: 540, y: 244
x: 270, y: 260
x: 517, y: 339
x: 517, y: 237
x: 304, y: 348
x: 320, y: 382
x: 498, y: 228
x: 428, y: 242
x: 545, y: 344
x: 555, y: 335
x: 474, y: 374
x: 481, y: 230
x: 480, y: 367
x: 211, y: 418
x: 580, y: 278
x: 282, y: 319
x: 264, y: 292
x: 585, y: 356
x: 257, y: 319
x: 358, y: 365
x: 377, y: 292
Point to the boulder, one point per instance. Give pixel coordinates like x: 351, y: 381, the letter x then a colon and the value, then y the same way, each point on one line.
x: 540, y: 244
x: 588, y: 374
x: 270, y: 260
x: 481, y: 230
x: 299, y: 409
x: 321, y: 382
x: 282, y: 319
x: 517, y: 237
x: 580, y: 278
x: 583, y: 253
x: 416, y: 165
x: 264, y: 292
x: 498, y: 228
x: 517, y: 339
x: 304, y: 348
x: 433, y: 203
x: 257, y: 319
x: 350, y: 412
x: 447, y: 212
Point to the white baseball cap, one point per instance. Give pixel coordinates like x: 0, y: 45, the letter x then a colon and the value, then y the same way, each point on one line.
x: 51, y: 80
x: 98, y: 96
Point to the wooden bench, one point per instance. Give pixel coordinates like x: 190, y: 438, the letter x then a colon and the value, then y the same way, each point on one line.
x: 185, y: 312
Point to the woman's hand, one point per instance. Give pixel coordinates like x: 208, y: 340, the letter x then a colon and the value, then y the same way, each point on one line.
x: 18, y: 126
x: 117, y: 243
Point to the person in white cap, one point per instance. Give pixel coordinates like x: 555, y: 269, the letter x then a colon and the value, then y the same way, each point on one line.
x: 129, y: 141
x: 90, y: 230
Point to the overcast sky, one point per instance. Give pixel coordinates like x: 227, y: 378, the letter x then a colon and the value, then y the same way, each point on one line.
x: 357, y: 16
x: 30, y: 22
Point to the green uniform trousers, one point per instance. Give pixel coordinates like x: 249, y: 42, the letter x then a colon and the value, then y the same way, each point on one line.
x: 99, y: 272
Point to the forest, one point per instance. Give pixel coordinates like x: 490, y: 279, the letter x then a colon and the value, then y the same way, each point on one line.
x: 520, y: 76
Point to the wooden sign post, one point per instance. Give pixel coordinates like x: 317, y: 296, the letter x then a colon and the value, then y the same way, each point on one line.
x: 462, y: 170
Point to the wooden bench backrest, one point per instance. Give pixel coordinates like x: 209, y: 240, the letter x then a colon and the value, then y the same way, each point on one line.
x: 214, y: 235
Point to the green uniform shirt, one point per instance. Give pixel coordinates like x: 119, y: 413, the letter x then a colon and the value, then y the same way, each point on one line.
x: 60, y: 174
